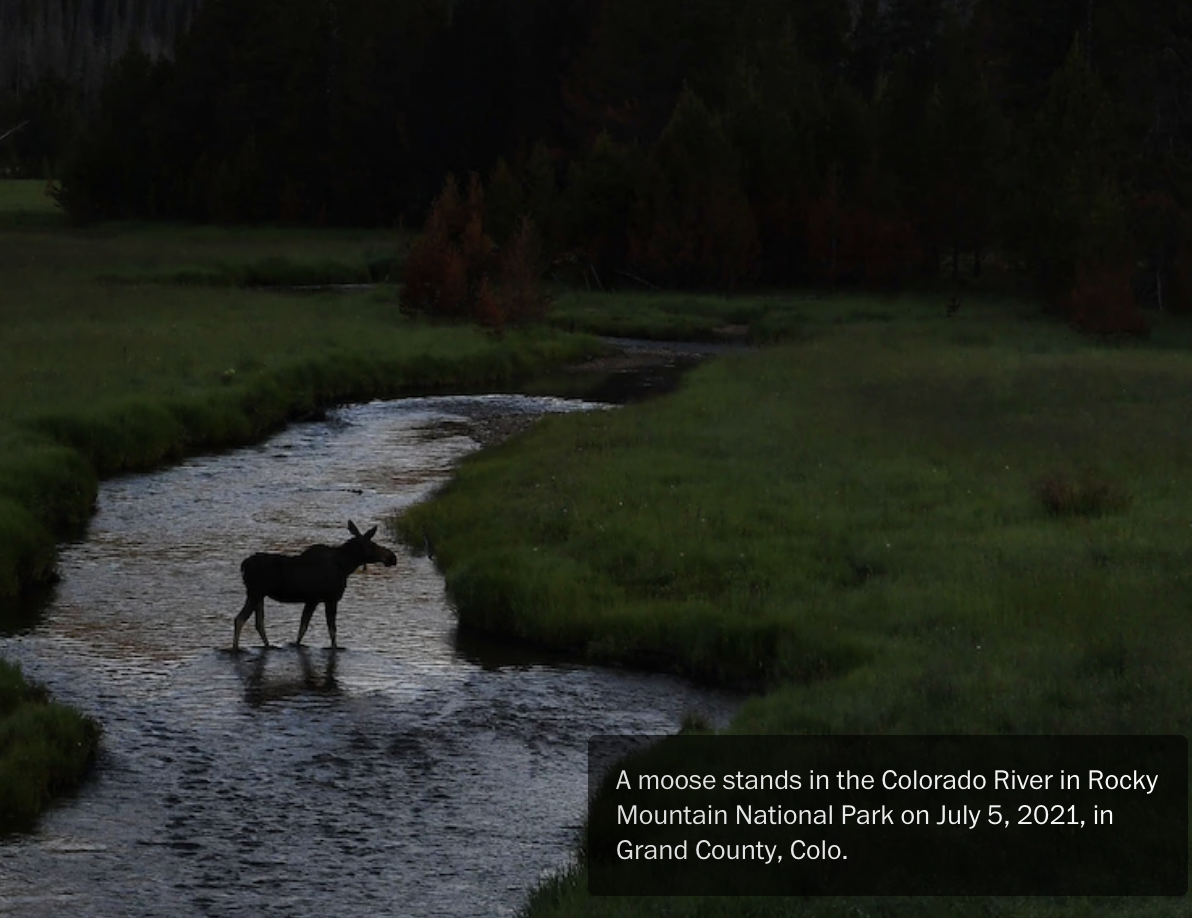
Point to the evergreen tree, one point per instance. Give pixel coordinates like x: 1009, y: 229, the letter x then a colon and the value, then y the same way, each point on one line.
x: 775, y: 111
x: 694, y: 224
x: 965, y: 153
x: 52, y: 112
x: 1071, y: 206
x: 599, y: 202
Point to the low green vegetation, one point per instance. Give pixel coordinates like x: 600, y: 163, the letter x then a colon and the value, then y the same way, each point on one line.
x: 44, y: 747
x: 25, y: 203
x: 904, y: 523
x: 760, y: 319
x: 269, y: 272
x: 653, y: 316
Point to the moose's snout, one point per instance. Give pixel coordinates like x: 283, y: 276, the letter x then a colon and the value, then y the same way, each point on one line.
x: 390, y: 559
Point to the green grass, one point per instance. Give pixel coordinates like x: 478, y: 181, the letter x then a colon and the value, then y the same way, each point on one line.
x: 270, y: 272
x: 862, y: 526
x: 656, y: 316
x: 23, y: 202
x: 758, y: 318
x: 45, y: 748
x: 568, y: 895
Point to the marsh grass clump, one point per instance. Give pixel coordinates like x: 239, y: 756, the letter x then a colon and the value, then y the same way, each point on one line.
x: 696, y: 722
x: 1083, y: 494
x: 25, y: 204
x: 664, y: 316
x: 45, y: 748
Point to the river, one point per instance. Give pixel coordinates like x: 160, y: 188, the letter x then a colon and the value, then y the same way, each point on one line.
x: 415, y: 772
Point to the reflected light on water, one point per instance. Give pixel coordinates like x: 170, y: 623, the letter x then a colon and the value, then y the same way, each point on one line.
x: 408, y: 774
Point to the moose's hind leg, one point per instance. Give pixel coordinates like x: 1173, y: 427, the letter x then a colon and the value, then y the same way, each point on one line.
x: 307, y: 611
x: 241, y: 618
x: 330, y: 608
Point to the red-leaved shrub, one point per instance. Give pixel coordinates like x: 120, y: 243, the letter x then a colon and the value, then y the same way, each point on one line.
x: 1103, y: 301
x: 455, y: 270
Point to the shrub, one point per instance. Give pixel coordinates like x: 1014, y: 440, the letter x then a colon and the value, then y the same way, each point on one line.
x: 1103, y: 301
x: 1087, y: 495
x: 521, y: 296
x: 847, y: 242
x: 598, y: 205
x: 693, y: 222
x: 505, y: 202
x: 434, y: 277
x: 455, y: 270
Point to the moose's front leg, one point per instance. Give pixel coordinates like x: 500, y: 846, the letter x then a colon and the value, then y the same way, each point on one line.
x: 330, y: 607
x: 260, y: 621
x: 307, y: 611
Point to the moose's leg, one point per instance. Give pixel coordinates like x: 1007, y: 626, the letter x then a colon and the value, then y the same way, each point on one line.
x: 330, y: 608
x: 240, y: 620
x: 260, y: 621
x: 307, y: 611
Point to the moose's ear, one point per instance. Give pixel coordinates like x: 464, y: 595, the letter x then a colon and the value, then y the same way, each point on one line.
x: 352, y: 528
x: 372, y: 532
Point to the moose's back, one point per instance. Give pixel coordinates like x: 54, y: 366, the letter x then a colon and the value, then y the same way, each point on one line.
x: 312, y: 576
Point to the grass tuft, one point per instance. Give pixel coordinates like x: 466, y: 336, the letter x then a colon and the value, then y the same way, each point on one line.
x: 1083, y: 495
x: 45, y: 748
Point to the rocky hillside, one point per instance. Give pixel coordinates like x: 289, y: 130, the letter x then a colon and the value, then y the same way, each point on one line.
x: 77, y: 39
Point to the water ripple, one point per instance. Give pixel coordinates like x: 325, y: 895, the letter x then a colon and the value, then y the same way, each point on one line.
x: 404, y: 775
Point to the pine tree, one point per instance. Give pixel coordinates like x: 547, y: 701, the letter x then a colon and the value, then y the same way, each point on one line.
x: 695, y: 224
x: 1071, y: 224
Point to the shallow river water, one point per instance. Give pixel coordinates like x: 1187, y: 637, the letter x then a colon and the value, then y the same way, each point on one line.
x: 411, y: 773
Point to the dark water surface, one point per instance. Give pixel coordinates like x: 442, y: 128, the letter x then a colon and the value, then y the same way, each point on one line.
x: 409, y: 774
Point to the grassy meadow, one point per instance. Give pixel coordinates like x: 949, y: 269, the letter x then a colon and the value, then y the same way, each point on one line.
x: 129, y: 345
x: 888, y: 522
x: 902, y: 523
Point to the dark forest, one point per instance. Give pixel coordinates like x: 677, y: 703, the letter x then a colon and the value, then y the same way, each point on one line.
x: 692, y: 143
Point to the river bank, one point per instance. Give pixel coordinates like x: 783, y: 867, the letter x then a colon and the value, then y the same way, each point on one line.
x: 912, y: 526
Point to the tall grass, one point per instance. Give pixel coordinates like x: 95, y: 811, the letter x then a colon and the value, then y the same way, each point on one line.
x: 863, y: 506
x: 24, y: 203
x: 855, y: 526
x: 44, y: 747
x: 767, y: 318
x: 654, y: 316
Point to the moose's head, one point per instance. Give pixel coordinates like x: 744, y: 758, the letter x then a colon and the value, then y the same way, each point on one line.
x: 369, y: 551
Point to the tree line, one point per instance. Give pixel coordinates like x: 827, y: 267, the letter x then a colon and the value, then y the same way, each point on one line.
x: 701, y: 143
x: 54, y: 58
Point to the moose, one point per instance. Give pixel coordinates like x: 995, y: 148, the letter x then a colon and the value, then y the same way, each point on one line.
x: 317, y: 575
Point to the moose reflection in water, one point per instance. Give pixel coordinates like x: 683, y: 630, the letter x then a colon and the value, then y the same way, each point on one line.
x: 272, y: 678
x: 318, y: 575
